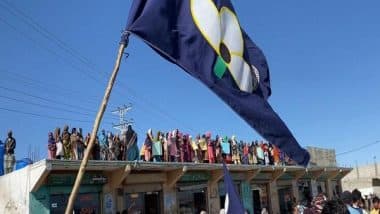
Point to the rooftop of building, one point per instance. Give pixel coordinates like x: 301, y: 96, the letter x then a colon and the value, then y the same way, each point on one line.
x: 135, y: 172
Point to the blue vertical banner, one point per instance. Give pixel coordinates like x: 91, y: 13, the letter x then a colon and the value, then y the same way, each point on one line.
x: 232, y: 204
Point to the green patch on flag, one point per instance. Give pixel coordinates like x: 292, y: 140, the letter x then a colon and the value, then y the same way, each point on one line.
x: 220, y: 67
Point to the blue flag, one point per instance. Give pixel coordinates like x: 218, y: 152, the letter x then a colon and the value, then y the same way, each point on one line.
x: 232, y: 203
x: 204, y: 38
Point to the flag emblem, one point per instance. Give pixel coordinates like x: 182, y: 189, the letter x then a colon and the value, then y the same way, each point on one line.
x: 221, y: 29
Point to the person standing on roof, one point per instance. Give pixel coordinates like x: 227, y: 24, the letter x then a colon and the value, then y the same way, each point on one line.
x: 66, y: 142
x: 103, y: 141
x: 52, y: 146
x: 9, y: 159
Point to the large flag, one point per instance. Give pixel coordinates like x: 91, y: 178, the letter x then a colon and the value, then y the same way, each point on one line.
x: 204, y: 38
x: 232, y: 203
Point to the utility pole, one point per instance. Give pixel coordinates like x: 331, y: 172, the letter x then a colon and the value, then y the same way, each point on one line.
x: 123, y: 123
x: 357, y: 169
x: 375, y: 164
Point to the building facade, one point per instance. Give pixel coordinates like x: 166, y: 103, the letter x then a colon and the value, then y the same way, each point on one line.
x: 322, y: 157
x: 146, y: 187
x: 364, y: 178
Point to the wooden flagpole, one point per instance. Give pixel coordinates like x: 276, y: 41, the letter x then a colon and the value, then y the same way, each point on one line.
x: 99, y: 116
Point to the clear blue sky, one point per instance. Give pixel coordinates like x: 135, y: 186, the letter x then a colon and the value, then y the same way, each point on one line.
x: 323, y: 56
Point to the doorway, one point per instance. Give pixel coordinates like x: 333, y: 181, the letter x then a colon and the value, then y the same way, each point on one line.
x: 256, y: 201
x: 152, y: 203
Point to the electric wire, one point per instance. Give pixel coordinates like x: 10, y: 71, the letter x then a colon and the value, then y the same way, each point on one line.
x: 32, y: 83
x: 44, y: 106
x: 84, y: 60
x: 45, y: 99
x: 358, y: 148
x: 45, y: 116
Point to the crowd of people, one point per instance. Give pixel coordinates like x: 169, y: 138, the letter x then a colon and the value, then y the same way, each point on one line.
x: 71, y: 145
x: 173, y: 146
x: 347, y: 203
x: 176, y: 146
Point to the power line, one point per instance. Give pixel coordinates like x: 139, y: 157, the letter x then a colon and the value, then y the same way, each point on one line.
x: 50, y: 51
x: 359, y: 148
x: 41, y: 85
x: 45, y: 99
x: 50, y: 36
x: 44, y: 106
x: 45, y: 116
x: 46, y: 33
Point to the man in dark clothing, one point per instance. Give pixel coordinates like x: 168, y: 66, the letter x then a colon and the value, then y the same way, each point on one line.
x: 9, y: 158
x: 335, y: 207
x: 356, y: 200
x: 2, y: 151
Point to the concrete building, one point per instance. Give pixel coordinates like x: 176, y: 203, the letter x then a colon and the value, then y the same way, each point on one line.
x: 110, y: 186
x: 322, y: 157
x: 364, y: 178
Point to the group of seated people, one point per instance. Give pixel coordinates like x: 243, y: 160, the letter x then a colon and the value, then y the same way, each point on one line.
x: 174, y: 146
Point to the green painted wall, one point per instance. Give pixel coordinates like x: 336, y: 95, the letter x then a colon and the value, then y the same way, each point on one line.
x: 246, y: 195
x: 39, y: 201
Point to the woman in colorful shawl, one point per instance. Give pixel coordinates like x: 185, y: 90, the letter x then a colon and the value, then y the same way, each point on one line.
x: 111, y: 147
x: 252, y: 154
x: 185, y: 148
x: 148, y: 145
x: 96, y: 149
x: 180, y: 146
x: 66, y: 142
x: 57, y: 134
x: 276, y: 155
x: 190, y: 149
x: 157, y: 147
x: 173, y: 146
x: 80, y: 145
x: 210, y: 148
x: 117, y: 147
x: 198, y: 153
x: 103, y: 144
x: 270, y: 154
x: 226, y: 149
x: 142, y: 153
x: 218, y: 149
x: 260, y: 153
x: 165, y: 147
x: 59, y: 153
x: 194, y: 150
x: 86, y: 141
x: 203, y: 146
x: 52, y: 147
x: 131, y: 148
x: 235, y: 151
x: 73, y: 142
x: 245, y: 158
x: 266, y: 154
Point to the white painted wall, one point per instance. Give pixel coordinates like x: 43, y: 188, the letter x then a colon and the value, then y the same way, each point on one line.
x: 361, y: 178
x: 16, y: 186
x: 14, y: 192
